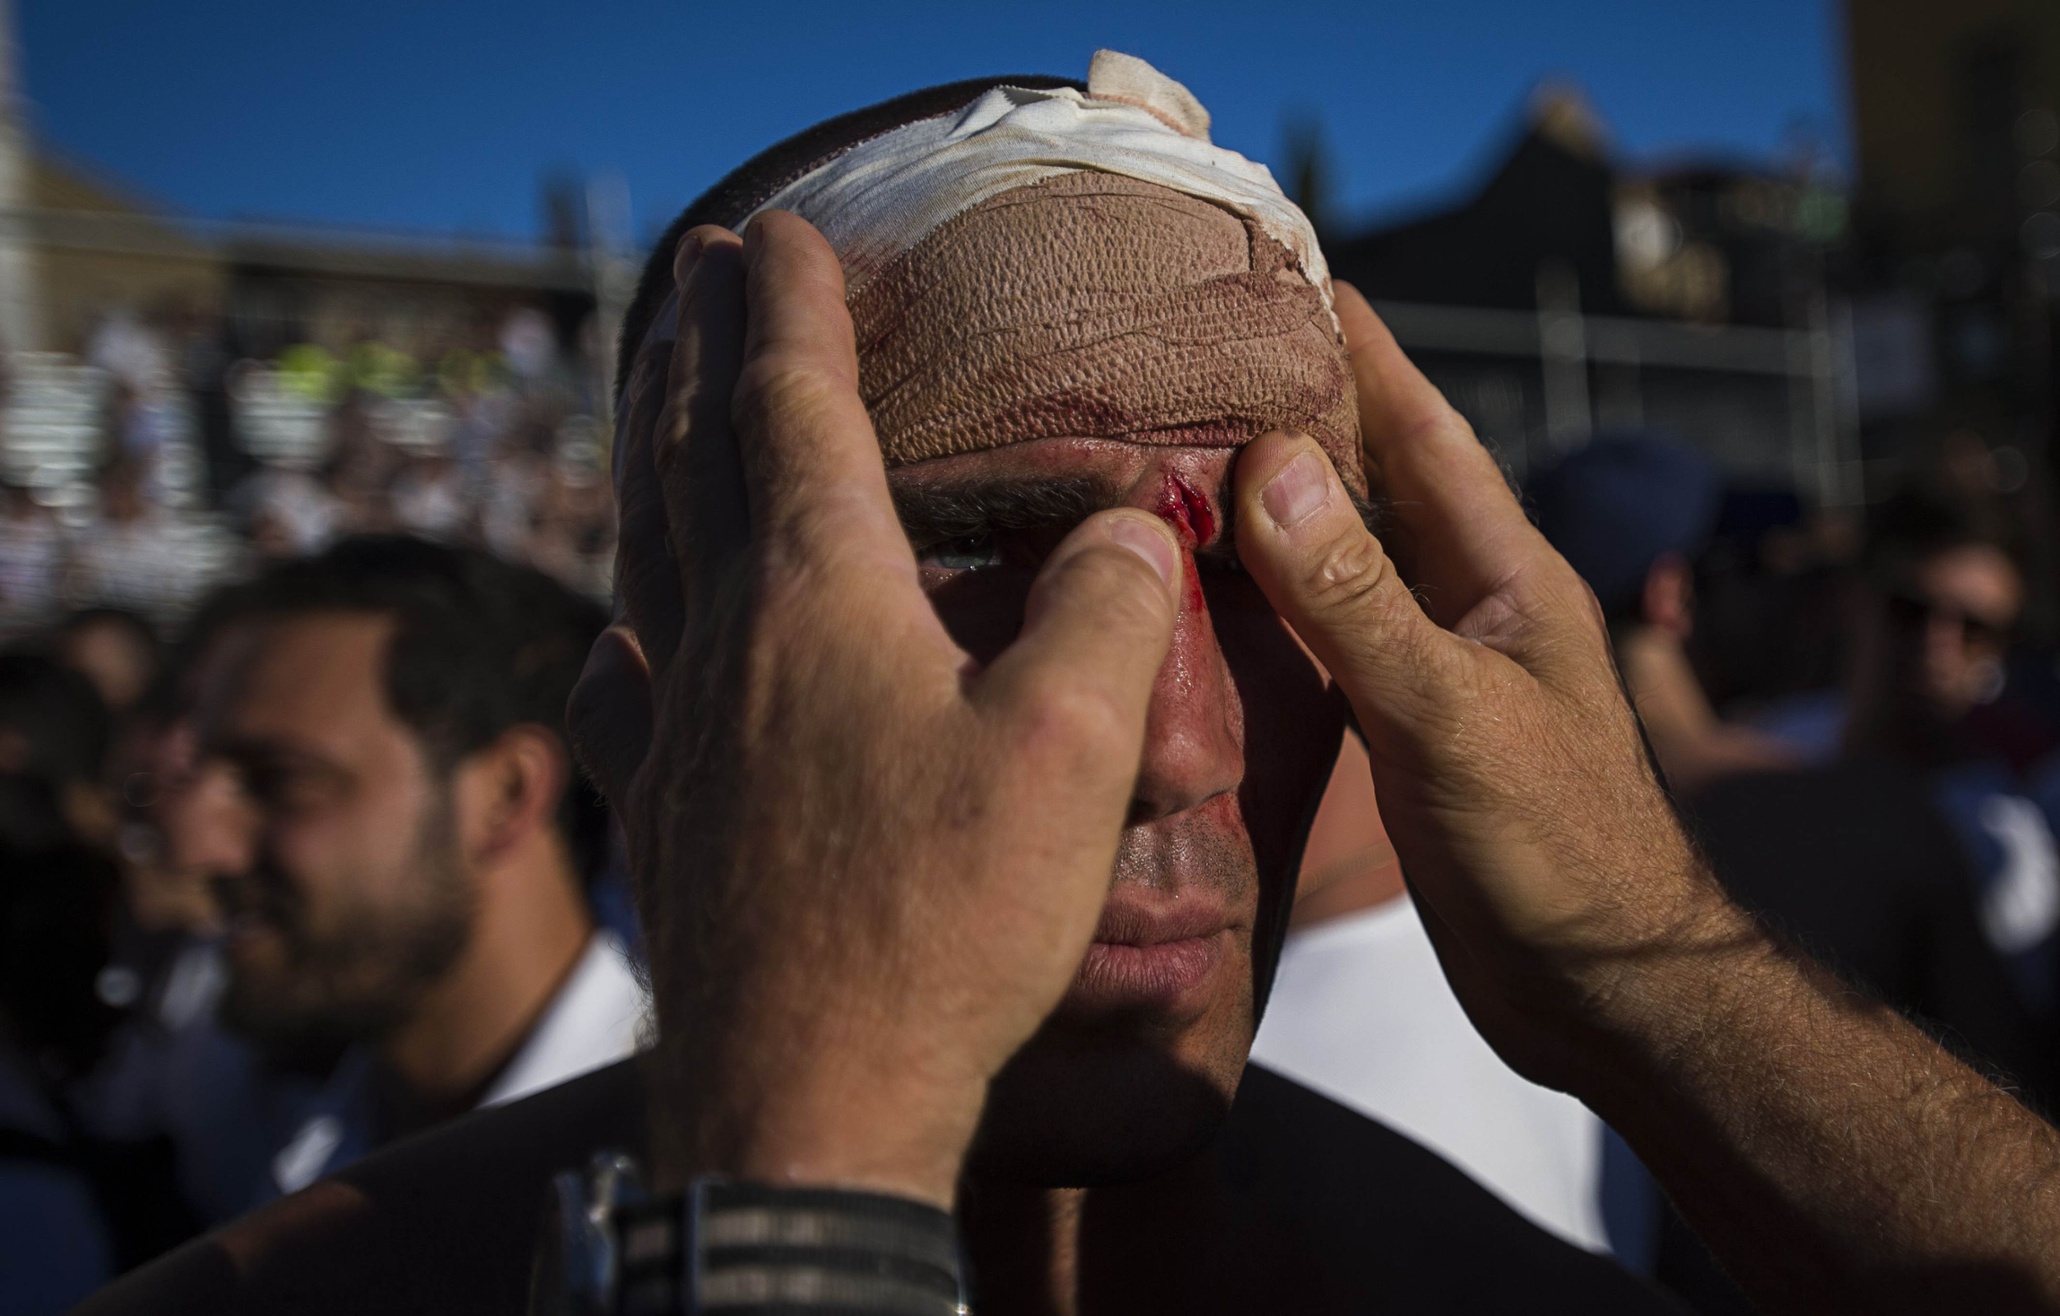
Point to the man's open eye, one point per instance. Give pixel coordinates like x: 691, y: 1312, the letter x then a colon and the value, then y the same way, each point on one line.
x: 966, y: 553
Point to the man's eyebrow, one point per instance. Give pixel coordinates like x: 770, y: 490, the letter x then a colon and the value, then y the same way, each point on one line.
x: 932, y: 513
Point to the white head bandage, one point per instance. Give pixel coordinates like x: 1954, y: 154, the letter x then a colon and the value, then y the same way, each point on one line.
x: 883, y: 196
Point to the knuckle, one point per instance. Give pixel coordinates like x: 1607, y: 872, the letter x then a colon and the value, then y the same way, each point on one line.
x: 1116, y: 582
x: 1063, y: 719
x: 1459, y: 425
x: 1454, y: 428
x: 1348, y: 573
x: 1581, y: 602
x: 775, y: 391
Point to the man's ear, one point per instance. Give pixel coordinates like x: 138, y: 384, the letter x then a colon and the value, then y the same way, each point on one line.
x: 508, y: 791
x: 1668, y: 601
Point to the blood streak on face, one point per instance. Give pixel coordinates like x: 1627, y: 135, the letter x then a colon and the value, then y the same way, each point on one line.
x: 1187, y: 511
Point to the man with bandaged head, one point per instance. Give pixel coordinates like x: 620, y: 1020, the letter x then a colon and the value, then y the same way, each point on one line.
x: 1039, y: 341
x: 994, y: 583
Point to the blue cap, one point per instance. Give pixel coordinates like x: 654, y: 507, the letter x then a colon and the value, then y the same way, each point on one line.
x: 1622, y: 503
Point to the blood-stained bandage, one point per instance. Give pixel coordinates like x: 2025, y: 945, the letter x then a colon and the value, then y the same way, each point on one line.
x: 1053, y: 263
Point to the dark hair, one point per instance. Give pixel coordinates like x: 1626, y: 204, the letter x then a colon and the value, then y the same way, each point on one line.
x: 1917, y: 523
x: 56, y: 901
x: 480, y: 646
x: 752, y: 183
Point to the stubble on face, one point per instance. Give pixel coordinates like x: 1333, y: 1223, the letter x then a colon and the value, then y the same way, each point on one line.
x: 1103, y: 1096
x: 308, y: 975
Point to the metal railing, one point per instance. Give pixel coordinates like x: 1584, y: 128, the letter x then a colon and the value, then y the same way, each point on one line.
x: 1814, y: 363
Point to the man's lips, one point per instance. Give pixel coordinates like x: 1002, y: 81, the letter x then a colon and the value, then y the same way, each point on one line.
x: 1155, y: 955
x: 1154, y: 918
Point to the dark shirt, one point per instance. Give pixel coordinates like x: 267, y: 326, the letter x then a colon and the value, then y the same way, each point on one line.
x: 445, y: 1224
x: 1854, y: 863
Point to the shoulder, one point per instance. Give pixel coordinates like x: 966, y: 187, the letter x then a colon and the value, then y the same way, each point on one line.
x: 1396, y: 1223
x: 445, y: 1222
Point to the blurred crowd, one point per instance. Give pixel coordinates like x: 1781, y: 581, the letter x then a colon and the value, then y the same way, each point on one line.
x: 169, y: 456
x: 153, y: 489
x: 294, y: 859
x: 1858, y: 712
x: 308, y: 873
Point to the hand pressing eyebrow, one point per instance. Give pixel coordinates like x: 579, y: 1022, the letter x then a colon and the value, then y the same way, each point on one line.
x: 939, y: 514
x: 935, y: 514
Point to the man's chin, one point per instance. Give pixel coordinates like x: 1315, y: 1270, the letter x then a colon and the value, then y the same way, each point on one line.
x: 1081, y: 1108
x: 293, y: 1026
x: 286, y: 1041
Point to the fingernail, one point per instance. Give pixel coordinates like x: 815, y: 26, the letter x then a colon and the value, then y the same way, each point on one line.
x: 1149, y: 542
x: 684, y: 259
x: 1298, y: 492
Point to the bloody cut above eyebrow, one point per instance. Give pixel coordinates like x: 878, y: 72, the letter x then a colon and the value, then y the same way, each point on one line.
x: 936, y: 513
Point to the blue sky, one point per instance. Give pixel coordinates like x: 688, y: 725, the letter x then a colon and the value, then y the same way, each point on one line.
x: 439, y: 114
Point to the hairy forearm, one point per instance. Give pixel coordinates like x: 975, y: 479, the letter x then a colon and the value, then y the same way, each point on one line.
x: 1831, y: 1155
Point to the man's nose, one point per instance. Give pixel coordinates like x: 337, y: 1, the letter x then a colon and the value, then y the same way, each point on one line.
x: 209, y: 825
x: 1193, y: 739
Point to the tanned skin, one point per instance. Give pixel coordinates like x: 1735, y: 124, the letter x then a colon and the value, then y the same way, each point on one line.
x: 899, y: 855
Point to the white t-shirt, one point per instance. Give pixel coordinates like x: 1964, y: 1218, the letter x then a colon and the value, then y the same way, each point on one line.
x: 601, y: 1015
x: 1361, y: 1013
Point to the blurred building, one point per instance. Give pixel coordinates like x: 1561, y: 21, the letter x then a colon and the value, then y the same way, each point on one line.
x: 1574, y: 292
x: 18, y: 305
x: 1954, y: 262
x: 182, y: 397
x: 1956, y: 111
x: 94, y: 247
x: 116, y: 301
